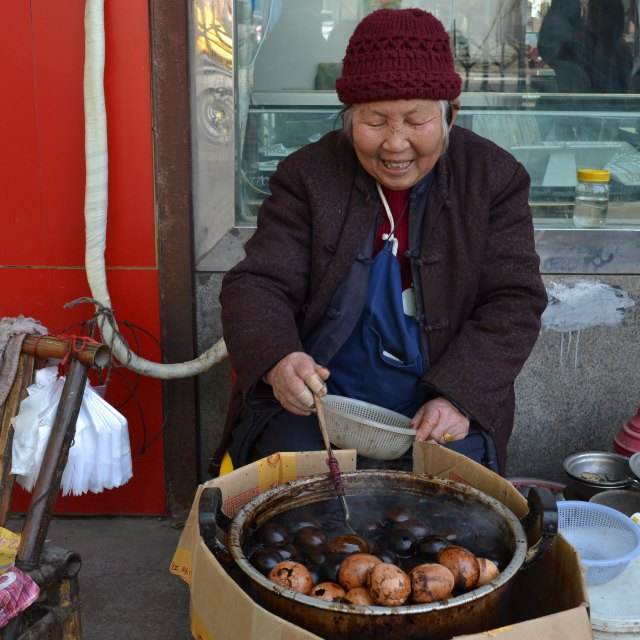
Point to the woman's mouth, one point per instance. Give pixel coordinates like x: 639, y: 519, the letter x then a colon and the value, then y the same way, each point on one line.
x: 396, y: 165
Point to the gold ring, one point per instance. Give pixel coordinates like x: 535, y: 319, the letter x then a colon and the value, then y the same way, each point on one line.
x: 447, y: 437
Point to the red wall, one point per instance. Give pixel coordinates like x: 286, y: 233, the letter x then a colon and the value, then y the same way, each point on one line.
x: 42, y: 199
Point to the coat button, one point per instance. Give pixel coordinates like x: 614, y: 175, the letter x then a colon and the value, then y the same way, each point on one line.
x: 330, y: 247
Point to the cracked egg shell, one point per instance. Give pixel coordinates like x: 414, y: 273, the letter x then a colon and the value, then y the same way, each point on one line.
x: 272, y: 533
x: 488, y: 571
x: 355, y: 569
x: 359, y: 595
x: 431, y: 546
x: 265, y: 559
x: 416, y: 527
x: 389, y: 585
x: 310, y: 539
x: 347, y: 543
x: 398, y: 514
x: 292, y: 575
x: 431, y: 582
x: 463, y: 564
x: 329, y: 591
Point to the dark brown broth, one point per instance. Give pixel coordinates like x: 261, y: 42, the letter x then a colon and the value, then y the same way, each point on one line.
x: 471, y: 525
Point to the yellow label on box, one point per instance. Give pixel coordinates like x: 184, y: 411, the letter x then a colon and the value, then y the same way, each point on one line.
x: 276, y: 469
x: 181, y: 565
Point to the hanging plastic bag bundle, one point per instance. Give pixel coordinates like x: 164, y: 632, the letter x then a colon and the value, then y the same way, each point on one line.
x: 32, y: 425
x: 100, y: 455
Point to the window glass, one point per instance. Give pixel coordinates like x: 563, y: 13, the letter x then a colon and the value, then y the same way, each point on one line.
x: 554, y: 82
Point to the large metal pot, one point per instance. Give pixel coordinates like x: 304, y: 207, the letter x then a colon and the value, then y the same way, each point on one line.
x: 591, y: 472
x: 477, y: 610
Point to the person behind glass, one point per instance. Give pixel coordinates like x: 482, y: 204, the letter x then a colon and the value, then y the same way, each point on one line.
x: 609, y: 58
x: 393, y: 262
x: 561, y: 44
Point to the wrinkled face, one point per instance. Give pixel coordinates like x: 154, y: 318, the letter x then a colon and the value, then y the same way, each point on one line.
x: 398, y: 141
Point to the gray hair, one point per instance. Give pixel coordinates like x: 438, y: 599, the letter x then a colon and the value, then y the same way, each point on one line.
x: 348, y: 110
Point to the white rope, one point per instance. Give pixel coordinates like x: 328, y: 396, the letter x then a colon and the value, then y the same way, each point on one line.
x: 96, y: 157
x: 391, y: 236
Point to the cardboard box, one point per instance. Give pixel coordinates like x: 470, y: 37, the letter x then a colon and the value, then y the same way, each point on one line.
x: 551, y: 593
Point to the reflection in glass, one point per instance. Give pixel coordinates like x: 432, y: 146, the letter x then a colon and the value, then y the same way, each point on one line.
x: 553, y: 81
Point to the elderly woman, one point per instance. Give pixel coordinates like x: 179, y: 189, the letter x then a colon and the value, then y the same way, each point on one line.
x: 394, y: 263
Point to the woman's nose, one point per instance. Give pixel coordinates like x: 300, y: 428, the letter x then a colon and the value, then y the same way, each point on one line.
x: 395, y: 139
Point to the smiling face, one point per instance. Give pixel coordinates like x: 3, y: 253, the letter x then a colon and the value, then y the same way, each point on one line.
x: 398, y: 141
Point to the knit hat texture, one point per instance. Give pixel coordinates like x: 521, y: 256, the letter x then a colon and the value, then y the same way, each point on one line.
x: 398, y: 54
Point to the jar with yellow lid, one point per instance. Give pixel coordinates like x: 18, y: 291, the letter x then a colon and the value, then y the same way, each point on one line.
x: 592, y: 198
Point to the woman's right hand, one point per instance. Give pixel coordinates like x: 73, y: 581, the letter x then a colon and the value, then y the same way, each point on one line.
x: 295, y: 379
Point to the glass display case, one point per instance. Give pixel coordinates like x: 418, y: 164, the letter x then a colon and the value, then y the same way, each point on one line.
x: 551, y: 139
x: 555, y: 82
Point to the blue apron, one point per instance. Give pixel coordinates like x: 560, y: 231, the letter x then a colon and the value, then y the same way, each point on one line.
x: 381, y: 362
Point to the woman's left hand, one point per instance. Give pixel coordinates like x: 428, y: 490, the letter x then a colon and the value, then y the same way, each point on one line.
x: 439, y: 420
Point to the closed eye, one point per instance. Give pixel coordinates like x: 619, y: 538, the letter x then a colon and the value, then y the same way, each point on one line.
x: 420, y: 123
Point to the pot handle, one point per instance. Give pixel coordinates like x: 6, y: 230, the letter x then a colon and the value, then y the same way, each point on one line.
x: 214, y: 524
x: 634, y: 483
x: 540, y: 524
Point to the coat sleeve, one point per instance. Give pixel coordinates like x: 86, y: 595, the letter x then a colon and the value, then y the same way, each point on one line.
x: 478, y: 368
x: 262, y: 295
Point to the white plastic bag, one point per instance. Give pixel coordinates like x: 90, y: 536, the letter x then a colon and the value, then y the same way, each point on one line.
x: 100, y: 455
x: 32, y: 425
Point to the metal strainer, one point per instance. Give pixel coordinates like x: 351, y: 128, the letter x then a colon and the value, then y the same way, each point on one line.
x: 375, y: 432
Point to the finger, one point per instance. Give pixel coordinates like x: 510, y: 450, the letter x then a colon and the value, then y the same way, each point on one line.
x: 417, y: 419
x: 316, y: 384
x: 323, y: 372
x: 304, y: 399
x: 289, y: 405
x: 428, y: 424
x: 295, y: 409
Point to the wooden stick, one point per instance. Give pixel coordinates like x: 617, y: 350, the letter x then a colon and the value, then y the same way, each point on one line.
x: 91, y: 354
x: 18, y: 391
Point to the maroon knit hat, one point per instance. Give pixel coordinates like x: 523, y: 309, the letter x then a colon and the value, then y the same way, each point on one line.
x: 397, y: 54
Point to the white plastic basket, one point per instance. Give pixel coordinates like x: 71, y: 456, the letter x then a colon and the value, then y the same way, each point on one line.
x: 374, y: 431
x: 606, y: 539
x: 615, y: 606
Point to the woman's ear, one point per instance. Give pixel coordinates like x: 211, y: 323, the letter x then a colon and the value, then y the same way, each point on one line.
x: 452, y: 112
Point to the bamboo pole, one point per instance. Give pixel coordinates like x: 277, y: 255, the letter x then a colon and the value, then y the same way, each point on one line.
x: 90, y: 354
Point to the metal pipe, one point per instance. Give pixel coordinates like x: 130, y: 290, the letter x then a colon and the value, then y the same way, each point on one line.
x: 47, y: 485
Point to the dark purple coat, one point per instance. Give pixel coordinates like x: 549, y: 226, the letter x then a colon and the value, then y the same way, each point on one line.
x: 481, y: 284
